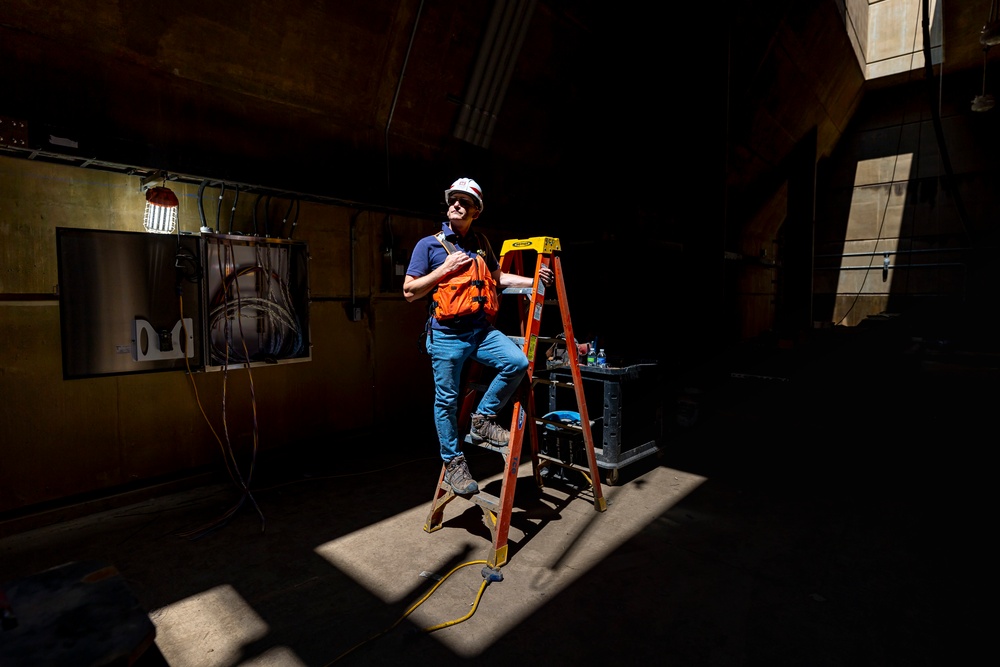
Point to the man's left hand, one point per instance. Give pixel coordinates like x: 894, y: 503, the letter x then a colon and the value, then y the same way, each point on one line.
x: 547, y: 276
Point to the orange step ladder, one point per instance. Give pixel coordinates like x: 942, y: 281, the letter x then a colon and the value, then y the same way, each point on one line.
x: 531, y: 300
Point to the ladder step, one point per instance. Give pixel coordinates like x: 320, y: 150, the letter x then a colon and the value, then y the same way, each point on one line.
x: 503, y: 451
x: 554, y: 383
x: 487, y: 501
x: 540, y: 339
x: 483, y: 499
x: 528, y: 291
x: 564, y: 464
x: 549, y: 476
x: 561, y: 426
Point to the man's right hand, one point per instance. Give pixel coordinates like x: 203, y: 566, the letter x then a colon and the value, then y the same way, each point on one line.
x: 455, y: 262
x: 418, y: 288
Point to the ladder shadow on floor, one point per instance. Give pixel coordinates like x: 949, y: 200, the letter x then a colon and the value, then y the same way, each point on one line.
x: 533, y: 511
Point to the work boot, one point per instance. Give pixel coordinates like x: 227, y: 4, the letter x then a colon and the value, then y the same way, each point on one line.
x: 457, y: 474
x: 485, y: 429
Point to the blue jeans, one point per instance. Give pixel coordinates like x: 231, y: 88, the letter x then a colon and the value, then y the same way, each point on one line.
x: 449, y: 352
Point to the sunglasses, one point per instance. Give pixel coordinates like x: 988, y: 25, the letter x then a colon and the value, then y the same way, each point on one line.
x: 463, y: 201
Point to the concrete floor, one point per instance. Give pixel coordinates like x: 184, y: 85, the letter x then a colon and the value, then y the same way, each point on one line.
x: 797, y: 525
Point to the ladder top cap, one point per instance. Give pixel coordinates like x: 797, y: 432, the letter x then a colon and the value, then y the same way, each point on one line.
x: 542, y: 244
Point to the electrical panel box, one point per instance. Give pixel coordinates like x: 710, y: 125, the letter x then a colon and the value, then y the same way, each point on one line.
x: 256, y: 296
x: 133, y: 302
x: 121, y: 296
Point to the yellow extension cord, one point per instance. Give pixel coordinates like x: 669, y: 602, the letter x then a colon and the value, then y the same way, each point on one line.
x: 419, y: 602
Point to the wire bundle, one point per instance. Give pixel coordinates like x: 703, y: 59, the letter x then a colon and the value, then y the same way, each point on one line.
x: 229, y: 456
x: 279, y: 330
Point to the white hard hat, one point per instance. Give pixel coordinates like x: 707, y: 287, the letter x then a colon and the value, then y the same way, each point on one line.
x: 469, y: 187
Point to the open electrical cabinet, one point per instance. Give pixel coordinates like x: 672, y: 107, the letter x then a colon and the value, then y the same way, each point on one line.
x: 132, y: 302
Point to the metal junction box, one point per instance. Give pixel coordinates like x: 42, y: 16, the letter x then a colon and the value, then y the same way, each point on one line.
x: 133, y: 302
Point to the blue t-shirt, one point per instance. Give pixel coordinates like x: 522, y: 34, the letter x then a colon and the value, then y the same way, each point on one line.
x: 430, y: 254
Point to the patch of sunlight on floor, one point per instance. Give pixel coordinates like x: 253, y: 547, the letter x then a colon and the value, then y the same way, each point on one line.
x: 208, y: 629
x: 553, y: 542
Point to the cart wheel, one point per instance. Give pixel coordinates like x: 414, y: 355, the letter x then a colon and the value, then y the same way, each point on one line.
x: 612, y: 476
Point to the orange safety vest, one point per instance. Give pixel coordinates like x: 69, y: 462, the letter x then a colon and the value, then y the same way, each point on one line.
x: 466, y: 293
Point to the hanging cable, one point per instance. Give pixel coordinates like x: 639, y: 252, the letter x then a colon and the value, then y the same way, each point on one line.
x: 232, y: 211
x: 201, y: 205
x: 395, y: 95
x: 229, y: 456
x: 295, y: 220
x: 256, y: 431
x: 218, y: 210
x: 938, y: 130
x: 267, y: 214
x: 281, y: 230
x: 983, y: 102
x: 204, y: 530
x: 256, y: 202
x: 187, y: 265
x: 273, y: 306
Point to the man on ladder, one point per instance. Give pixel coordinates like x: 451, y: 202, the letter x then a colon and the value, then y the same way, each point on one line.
x: 459, y: 270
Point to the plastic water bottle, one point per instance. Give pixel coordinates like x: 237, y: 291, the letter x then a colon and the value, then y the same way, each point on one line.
x: 602, y: 359
x: 591, y: 359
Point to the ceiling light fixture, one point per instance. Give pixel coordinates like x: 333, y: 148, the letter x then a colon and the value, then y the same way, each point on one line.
x: 161, y: 210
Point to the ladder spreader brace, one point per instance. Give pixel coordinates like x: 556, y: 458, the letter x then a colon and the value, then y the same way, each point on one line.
x: 497, y: 510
